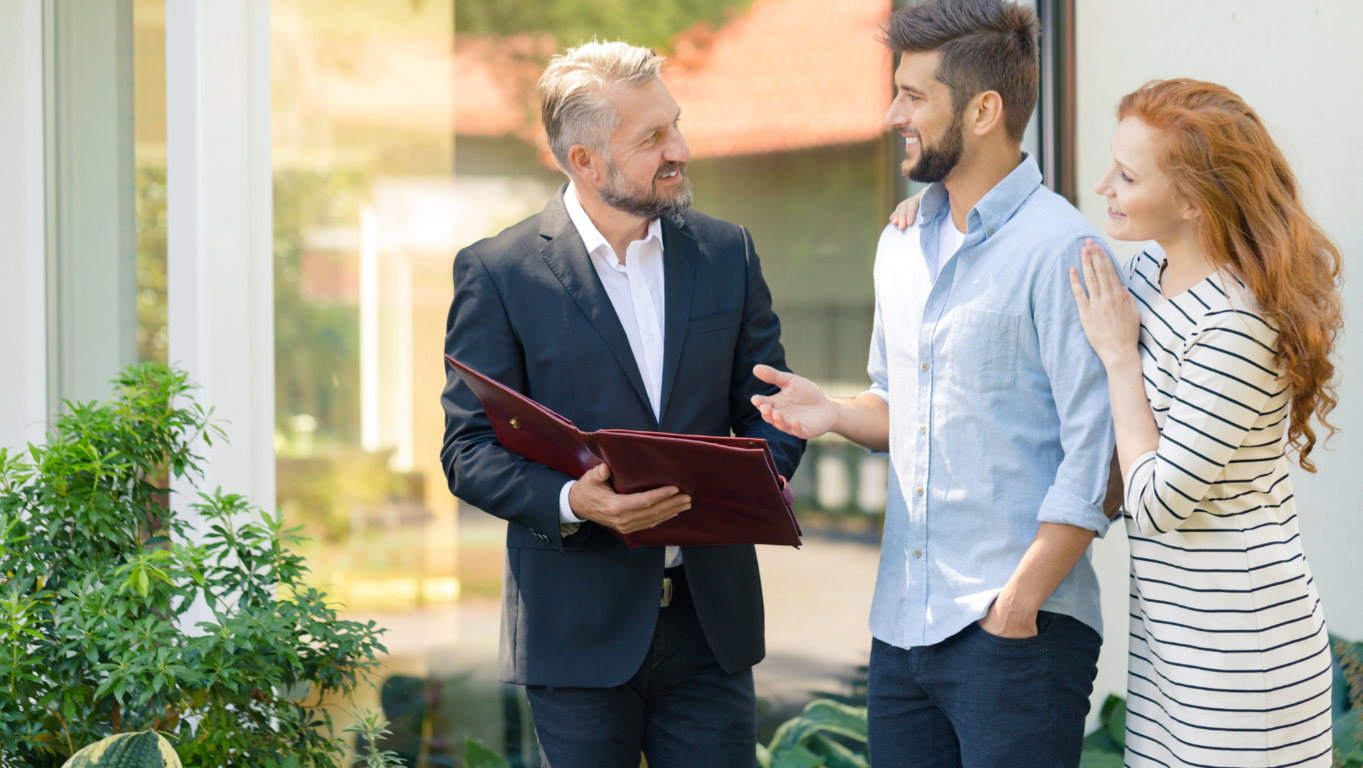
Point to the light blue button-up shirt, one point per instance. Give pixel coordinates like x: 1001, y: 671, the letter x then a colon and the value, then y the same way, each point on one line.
x: 999, y: 416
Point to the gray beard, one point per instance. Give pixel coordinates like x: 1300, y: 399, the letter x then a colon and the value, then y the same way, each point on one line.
x: 646, y: 204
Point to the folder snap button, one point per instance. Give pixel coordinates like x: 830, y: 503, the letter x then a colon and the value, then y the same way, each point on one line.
x: 515, y: 424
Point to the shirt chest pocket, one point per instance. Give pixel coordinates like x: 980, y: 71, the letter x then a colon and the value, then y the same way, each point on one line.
x: 982, y: 349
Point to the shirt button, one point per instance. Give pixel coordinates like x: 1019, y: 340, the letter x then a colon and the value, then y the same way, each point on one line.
x: 918, y: 553
x: 925, y: 366
x: 922, y: 430
x: 991, y: 231
x: 919, y: 491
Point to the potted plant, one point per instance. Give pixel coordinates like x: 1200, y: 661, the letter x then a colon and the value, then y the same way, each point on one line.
x: 99, y: 578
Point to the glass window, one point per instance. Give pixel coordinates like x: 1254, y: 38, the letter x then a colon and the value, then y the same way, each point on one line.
x: 105, y: 102
x: 408, y: 129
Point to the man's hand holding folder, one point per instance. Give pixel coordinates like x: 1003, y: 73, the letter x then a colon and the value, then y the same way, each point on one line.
x: 594, y: 499
x: 637, y: 484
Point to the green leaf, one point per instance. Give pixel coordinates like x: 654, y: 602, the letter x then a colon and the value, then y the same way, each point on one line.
x: 1091, y: 758
x: 1100, y: 741
x: 834, y: 717
x: 146, y: 749
x: 797, y: 757
x: 836, y: 755
x: 1114, y: 720
x: 478, y: 756
x: 1348, y: 734
x: 820, y: 715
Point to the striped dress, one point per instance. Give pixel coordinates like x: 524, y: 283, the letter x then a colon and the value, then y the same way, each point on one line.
x: 1229, y: 661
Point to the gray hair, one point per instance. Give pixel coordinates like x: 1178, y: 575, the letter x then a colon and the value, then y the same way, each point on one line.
x: 573, y: 100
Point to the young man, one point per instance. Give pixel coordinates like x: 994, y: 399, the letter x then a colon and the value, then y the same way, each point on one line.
x: 618, y: 308
x: 993, y: 408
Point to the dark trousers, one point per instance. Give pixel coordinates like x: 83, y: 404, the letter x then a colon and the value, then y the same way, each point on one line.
x: 976, y: 700
x: 680, y: 709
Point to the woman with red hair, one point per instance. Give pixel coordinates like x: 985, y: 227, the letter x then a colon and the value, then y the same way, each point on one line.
x: 1217, y: 343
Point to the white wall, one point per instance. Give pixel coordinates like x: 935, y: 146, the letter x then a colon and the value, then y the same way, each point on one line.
x: 1298, y: 64
x: 23, y: 308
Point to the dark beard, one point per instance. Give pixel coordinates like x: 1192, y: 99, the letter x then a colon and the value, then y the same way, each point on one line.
x: 647, y: 204
x: 937, y: 161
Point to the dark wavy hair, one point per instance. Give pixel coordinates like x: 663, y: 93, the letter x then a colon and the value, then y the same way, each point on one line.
x: 986, y: 45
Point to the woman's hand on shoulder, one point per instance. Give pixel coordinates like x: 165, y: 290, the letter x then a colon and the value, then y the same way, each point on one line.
x: 1107, y: 309
x: 906, y: 212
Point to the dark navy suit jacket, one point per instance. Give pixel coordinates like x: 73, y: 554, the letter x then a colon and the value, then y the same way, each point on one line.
x: 530, y: 311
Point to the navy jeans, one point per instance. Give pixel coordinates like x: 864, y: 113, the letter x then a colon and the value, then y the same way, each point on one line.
x: 680, y: 709
x: 976, y: 700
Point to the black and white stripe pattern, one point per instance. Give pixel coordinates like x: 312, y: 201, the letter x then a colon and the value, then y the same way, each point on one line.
x: 1229, y: 663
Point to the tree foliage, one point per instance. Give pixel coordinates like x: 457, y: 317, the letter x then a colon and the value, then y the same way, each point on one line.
x: 570, y: 22
x: 100, y: 584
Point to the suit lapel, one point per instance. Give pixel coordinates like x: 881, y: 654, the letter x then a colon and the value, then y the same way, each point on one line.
x: 568, y: 260
x: 680, y: 254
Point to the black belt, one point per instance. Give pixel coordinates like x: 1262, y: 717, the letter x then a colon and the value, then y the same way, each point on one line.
x: 675, y: 588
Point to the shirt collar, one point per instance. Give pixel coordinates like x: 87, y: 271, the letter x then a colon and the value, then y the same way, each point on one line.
x: 591, y: 236
x: 996, y: 207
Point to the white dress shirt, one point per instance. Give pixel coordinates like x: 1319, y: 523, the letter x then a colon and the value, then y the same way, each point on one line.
x: 635, y: 288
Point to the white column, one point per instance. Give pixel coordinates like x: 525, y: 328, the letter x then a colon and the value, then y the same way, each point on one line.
x: 220, y: 279
x: 369, y: 330
x: 23, y: 283
x: 92, y: 220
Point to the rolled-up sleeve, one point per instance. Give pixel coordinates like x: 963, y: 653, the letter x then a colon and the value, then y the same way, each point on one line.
x: 1079, y: 388
x: 877, y: 367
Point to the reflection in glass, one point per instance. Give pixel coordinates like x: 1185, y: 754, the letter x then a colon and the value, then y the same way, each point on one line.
x: 408, y: 129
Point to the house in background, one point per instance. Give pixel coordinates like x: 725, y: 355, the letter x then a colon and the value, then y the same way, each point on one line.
x: 783, y: 109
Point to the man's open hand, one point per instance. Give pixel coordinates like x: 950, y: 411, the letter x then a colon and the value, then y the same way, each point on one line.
x: 592, y: 498
x: 799, y: 409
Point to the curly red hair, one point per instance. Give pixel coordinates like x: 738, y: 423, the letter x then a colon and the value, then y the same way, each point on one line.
x: 1221, y: 159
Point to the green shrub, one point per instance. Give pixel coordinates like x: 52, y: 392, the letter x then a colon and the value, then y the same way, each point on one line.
x: 815, y: 739
x: 1106, y: 747
x: 98, y: 578
x: 1348, y: 725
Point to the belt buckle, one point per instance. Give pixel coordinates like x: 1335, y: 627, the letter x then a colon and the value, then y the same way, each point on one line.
x: 667, y: 592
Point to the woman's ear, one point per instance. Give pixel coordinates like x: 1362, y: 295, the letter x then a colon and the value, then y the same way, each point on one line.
x: 1189, y: 211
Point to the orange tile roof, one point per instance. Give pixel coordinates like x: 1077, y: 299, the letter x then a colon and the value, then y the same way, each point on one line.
x: 788, y: 74
x: 782, y: 75
x: 386, y: 80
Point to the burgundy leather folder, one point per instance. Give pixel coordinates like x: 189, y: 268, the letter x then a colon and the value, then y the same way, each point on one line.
x: 737, y: 495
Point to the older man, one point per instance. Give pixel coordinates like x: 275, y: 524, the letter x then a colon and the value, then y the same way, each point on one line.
x: 618, y: 308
